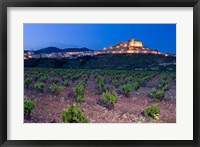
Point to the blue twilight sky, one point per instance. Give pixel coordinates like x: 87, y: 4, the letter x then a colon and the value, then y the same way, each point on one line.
x: 98, y: 36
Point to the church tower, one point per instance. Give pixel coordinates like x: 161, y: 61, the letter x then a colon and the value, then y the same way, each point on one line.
x: 132, y: 42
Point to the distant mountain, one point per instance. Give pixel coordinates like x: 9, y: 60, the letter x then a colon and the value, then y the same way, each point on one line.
x: 26, y: 51
x: 84, y: 49
x: 49, y: 50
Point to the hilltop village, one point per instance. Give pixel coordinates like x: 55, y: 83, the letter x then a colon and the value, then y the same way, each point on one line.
x: 130, y: 47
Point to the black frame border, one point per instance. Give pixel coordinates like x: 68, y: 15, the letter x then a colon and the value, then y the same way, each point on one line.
x: 4, y: 4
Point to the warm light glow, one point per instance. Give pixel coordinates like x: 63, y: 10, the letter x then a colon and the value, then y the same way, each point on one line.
x: 130, y: 51
x: 154, y: 52
x: 138, y: 43
x: 131, y: 47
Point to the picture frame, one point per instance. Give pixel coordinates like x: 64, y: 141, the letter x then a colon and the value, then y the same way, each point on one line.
x: 100, y: 3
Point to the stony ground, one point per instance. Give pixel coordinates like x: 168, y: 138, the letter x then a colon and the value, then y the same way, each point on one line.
x: 128, y: 110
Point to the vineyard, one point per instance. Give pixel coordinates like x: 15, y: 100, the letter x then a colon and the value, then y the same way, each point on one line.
x: 55, y: 95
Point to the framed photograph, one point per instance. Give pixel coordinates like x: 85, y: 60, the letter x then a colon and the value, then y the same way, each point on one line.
x: 109, y: 73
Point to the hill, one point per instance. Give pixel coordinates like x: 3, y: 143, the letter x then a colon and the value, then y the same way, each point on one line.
x: 109, y: 61
x: 49, y: 50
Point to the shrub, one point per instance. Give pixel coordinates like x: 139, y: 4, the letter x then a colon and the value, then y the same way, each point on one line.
x: 54, y: 88
x: 29, y: 105
x: 159, y: 95
x: 154, y: 92
x: 164, y: 77
x: 60, y: 88
x: 115, y: 83
x: 136, y: 85
x: 75, y: 77
x: 82, y: 83
x: 44, y: 78
x: 110, y: 97
x: 27, y: 81
x: 54, y: 80
x: 166, y: 87
x: 152, y: 111
x: 39, y: 86
x: 127, y: 80
x: 106, y: 88
x: 80, y: 99
x: 162, y: 83
x: 126, y: 89
x: 73, y: 114
x: 173, y: 75
x: 98, y: 80
x: 85, y: 79
x: 35, y: 77
x: 80, y: 90
x: 103, y: 86
x: 67, y: 83
x: 64, y: 77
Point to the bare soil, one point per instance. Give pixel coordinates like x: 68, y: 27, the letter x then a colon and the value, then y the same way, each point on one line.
x: 128, y: 110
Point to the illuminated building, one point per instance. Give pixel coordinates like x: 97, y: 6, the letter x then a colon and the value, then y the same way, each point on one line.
x: 131, y: 47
